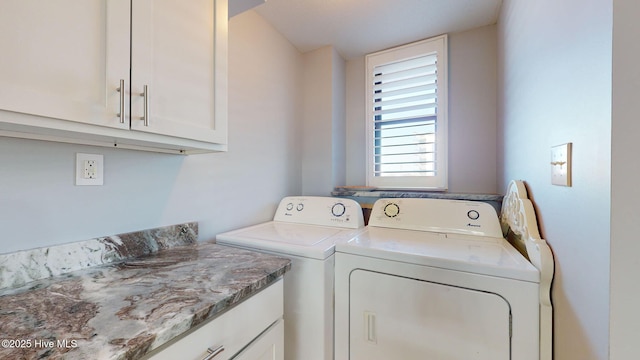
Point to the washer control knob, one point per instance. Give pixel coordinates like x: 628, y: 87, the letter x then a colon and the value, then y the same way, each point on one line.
x: 391, y: 210
x: 338, y: 209
x: 473, y: 215
x: 290, y: 206
x: 300, y: 207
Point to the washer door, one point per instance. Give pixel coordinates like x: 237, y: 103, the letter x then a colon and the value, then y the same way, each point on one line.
x: 393, y: 317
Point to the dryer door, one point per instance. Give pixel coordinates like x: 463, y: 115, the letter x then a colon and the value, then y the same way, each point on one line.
x: 393, y: 317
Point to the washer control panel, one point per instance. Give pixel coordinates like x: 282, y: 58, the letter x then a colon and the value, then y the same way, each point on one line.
x: 319, y: 210
x: 338, y: 209
x: 437, y: 215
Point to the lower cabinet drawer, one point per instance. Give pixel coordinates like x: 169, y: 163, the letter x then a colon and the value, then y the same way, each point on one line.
x: 230, y: 332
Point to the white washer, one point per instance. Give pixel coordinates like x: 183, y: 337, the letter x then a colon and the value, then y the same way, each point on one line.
x: 435, y: 279
x: 305, y: 230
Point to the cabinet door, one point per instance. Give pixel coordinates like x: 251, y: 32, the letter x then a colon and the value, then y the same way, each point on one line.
x: 179, y: 51
x: 268, y: 346
x: 63, y: 59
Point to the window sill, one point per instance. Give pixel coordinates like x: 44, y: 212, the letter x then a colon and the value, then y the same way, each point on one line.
x: 366, y: 196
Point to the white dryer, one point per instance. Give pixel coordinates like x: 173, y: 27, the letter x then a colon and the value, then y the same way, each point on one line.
x: 305, y: 229
x: 435, y: 279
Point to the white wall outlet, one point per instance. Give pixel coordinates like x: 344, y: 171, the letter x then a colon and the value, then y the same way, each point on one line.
x: 89, y: 169
x: 561, y: 165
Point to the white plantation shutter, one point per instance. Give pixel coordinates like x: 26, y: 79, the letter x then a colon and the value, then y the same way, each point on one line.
x: 406, y: 116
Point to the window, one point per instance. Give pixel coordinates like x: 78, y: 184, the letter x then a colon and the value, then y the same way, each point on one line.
x: 407, y: 116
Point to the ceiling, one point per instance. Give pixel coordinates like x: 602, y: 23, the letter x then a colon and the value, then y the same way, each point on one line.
x: 358, y: 27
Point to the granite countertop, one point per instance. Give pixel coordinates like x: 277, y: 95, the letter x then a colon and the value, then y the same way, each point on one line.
x: 124, y: 309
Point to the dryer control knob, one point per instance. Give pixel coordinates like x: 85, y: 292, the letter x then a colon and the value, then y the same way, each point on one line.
x: 473, y: 215
x: 300, y: 207
x: 290, y: 206
x: 392, y: 210
x: 338, y: 209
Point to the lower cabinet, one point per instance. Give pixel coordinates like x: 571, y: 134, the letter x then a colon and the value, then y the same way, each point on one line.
x: 268, y: 346
x: 252, y: 330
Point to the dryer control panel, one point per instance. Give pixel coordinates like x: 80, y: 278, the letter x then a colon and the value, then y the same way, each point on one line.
x: 437, y: 215
x: 320, y: 210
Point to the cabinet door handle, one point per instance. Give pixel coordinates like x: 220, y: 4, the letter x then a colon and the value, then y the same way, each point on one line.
x: 214, y: 352
x: 121, y: 91
x: 145, y: 95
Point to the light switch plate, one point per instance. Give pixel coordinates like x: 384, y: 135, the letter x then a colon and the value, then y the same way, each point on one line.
x: 561, y: 165
x: 89, y: 169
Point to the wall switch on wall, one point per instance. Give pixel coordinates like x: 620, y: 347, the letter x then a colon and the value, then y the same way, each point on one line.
x: 89, y: 169
x: 561, y: 165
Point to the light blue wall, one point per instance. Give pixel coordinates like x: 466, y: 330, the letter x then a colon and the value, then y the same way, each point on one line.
x: 323, y: 119
x: 40, y: 205
x: 555, y: 87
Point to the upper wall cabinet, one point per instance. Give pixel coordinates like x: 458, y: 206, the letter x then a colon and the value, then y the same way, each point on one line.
x: 141, y: 74
x: 63, y: 59
x: 173, y: 50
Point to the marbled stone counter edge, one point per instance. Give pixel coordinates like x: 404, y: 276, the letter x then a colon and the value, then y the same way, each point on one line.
x: 21, y: 267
